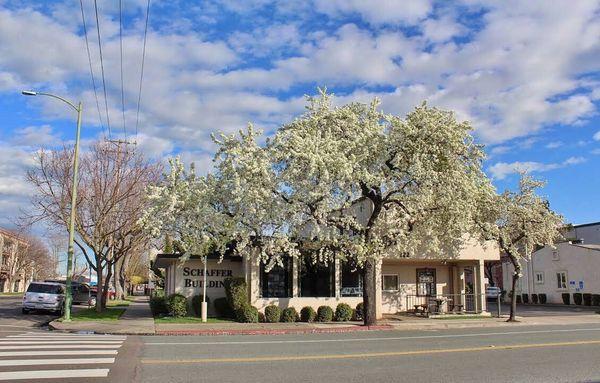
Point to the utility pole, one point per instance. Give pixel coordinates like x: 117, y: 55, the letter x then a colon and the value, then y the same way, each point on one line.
x: 70, y: 251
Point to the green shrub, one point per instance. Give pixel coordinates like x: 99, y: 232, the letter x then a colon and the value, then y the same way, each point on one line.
x: 158, y: 305
x: 308, y: 314
x: 223, y: 308
x: 359, y: 312
x: 566, y: 297
x: 534, y: 298
x: 237, y: 292
x: 519, y: 299
x: 543, y: 298
x: 177, y: 305
x: 596, y: 299
x: 272, y: 314
x: 587, y: 299
x: 578, y: 298
x: 289, y: 314
x: 247, y: 314
x: 261, y: 318
x: 343, y: 312
x: 197, y: 304
x: 324, y: 314
x: 525, y: 298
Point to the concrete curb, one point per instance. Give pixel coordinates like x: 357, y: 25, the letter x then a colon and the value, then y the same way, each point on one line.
x: 284, y: 331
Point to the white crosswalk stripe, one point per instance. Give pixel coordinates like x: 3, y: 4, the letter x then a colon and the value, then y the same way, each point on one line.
x: 45, y: 355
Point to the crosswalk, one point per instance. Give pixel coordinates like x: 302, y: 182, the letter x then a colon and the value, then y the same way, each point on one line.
x: 47, y: 355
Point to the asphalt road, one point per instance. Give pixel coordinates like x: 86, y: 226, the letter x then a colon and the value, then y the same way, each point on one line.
x: 520, y: 354
x: 13, y: 321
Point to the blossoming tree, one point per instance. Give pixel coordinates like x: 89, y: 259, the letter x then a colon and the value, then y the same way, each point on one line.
x: 520, y: 222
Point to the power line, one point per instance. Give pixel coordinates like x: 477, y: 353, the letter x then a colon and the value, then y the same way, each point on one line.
x: 102, y: 66
x: 137, y: 116
x: 87, y: 47
x: 121, y: 47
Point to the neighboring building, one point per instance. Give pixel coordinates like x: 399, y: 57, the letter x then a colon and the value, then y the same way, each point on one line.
x: 572, y: 267
x: 10, y: 246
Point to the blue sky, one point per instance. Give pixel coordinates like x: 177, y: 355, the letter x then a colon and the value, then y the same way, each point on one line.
x: 526, y: 74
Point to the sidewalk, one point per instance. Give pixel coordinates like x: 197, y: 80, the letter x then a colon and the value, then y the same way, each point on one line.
x: 136, y: 320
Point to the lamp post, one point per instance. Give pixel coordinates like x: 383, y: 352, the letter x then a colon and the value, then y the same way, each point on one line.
x: 78, y: 109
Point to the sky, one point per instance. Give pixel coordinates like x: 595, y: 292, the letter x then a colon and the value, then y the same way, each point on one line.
x: 526, y: 74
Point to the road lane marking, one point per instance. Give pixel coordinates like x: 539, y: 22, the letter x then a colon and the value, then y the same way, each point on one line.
x: 58, y: 352
x: 371, y: 339
x: 39, y: 362
x: 363, y: 355
x: 59, y: 346
x: 7, y: 342
x: 47, y: 374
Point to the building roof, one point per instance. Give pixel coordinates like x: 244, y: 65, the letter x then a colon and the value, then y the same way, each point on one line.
x: 587, y: 224
x: 590, y: 246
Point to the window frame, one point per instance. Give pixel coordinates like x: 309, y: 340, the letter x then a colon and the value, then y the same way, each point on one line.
x: 289, y: 280
x: 566, y: 280
x: 433, y: 284
x: 542, y: 280
x: 383, y: 282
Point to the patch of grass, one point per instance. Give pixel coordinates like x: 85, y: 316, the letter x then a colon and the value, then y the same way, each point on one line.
x: 461, y: 317
x: 122, y: 303
x: 109, y: 314
x: 191, y: 320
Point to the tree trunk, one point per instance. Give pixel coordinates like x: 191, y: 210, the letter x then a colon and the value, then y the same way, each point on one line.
x: 109, y: 269
x: 513, y: 300
x: 117, y: 280
x: 99, y: 287
x: 369, y: 293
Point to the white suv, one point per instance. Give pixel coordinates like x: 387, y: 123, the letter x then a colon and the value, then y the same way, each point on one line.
x: 44, y: 296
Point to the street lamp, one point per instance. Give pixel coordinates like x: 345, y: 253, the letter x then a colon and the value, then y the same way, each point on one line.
x: 78, y: 109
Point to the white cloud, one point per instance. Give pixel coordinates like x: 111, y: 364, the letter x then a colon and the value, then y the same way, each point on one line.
x: 377, y: 11
x: 554, y: 144
x: 501, y: 170
x: 36, y: 136
x: 597, y: 136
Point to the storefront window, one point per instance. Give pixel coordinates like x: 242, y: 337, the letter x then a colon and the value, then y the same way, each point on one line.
x: 426, y: 282
x: 277, y: 283
x: 316, y: 279
x: 351, y: 280
x: 390, y: 283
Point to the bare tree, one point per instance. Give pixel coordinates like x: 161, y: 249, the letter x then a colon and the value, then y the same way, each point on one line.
x: 110, y: 198
x: 30, y: 260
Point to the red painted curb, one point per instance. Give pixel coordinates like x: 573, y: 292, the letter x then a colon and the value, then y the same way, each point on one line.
x: 275, y: 331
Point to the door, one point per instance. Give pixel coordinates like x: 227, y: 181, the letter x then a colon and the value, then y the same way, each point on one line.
x: 469, y: 289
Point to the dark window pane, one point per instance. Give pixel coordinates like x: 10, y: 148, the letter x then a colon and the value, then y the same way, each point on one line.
x: 46, y: 289
x: 316, y: 279
x: 351, y: 280
x: 277, y: 282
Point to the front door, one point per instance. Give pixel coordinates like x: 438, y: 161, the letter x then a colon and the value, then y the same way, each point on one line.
x: 469, y: 289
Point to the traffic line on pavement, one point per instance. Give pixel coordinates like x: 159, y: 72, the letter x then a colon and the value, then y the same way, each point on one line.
x: 59, y: 346
x: 61, y: 374
x: 374, y: 339
x: 364, y: 355
x: 5, y: 342
x: 57, y: 352
x: 39, y: 362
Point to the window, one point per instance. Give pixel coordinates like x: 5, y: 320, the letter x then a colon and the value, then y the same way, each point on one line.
x: 426, y: 284
x: 555, y: 255
x: 539, y: 278
x: 277, y: 282
x: 351, y: 280
x: 561, y: 279
x: 316, y: 279
x: 390, y: 283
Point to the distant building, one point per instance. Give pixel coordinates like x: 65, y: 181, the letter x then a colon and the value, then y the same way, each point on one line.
x: 10, y: 245
x: 572, y: 267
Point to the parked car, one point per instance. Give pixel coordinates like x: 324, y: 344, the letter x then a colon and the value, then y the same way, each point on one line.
x: 82, y: 293
x: 48, y: 296
x: 110, y: 294
x: 492, y: 292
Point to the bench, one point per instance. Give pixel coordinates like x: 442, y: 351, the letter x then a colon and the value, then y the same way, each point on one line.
x: 422, y: 309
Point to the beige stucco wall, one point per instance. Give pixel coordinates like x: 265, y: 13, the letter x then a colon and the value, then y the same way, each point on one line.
x: 580, y: 264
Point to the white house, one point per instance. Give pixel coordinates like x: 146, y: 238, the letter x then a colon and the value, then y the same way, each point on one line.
x: 572, y: 267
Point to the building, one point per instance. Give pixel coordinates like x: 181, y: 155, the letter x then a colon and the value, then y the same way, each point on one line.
x: 11, y: 246
x: 572, y: 266
x: 403, y: 283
